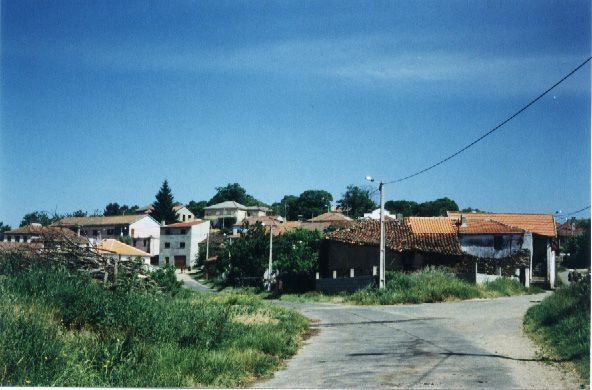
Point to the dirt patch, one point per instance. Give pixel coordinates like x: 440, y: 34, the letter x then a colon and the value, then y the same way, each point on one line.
x: 256, y: 318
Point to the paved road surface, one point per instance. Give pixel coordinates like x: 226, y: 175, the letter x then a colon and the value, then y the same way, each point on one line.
x: 470, y: 344
x: 189, y: 282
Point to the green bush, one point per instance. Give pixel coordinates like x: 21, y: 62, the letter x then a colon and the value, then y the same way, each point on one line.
x: 165, y: 278
x: 561, y: 325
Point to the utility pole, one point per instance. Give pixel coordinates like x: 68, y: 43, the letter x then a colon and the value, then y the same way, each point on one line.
x: 381, y: 260
x: 270, y: 256
x: 382, y: 251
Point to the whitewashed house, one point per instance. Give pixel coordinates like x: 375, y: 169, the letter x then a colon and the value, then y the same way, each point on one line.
x: 143, y: 230
x: 228, y: 209
x: 182, y: 212
x: 179, y: 243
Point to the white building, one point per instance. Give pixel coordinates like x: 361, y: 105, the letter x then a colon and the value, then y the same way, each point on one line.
x: 142, y: 229
x: 182, y: 212
x: 228, y: 209
x: 179, y: 243
x: 121, y: 251
x: 375, y: 214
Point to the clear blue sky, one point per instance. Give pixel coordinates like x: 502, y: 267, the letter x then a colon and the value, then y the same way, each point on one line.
x: 103, y: 100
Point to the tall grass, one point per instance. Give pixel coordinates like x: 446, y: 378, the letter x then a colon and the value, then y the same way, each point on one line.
x: 561, y: 325
x: 59, y: 328
x: 432, y: 284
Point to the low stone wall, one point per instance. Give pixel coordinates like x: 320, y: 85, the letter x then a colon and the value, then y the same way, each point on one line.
x: 334, y: 286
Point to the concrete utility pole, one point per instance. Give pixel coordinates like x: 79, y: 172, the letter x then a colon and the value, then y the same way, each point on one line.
x: 382, y: 251
x: 381, y: 262
x: 270, y: 256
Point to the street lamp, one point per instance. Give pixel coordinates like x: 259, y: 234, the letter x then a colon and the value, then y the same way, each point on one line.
x: 382, y: 251
x: 270, y: 256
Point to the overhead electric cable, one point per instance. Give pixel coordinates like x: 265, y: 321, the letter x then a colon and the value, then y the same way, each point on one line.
x: 492, y: 130
x: 575, y: 212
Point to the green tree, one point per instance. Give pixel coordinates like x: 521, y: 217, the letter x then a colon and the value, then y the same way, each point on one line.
x: 297, y: 251
x: 247, y: 256
x: 436, y: 207
x: 578, y: 248
x: 40, y: 217
x: 287, y: 207
x: 4, y: 227
x: 405, y: 207
x: 116, y: 209
x: 471, y: 210
x: 197, y: 208
x: 235, y: 193
x: 313, y: 202
x: 163, y: 207
x: 356, y: 201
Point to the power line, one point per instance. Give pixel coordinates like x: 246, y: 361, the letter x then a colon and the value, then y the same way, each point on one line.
x: 574, y: 212
x: 492, y: 130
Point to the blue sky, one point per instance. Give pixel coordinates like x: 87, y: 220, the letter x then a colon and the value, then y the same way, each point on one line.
x: 103, y: 100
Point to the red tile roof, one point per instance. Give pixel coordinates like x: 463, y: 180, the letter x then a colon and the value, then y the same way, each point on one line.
x: 399, y: 237
x: 542, y: 224
x: 435, y: 225
x: 184, y: 224
x: 332, y: 216
x: 487, y: 226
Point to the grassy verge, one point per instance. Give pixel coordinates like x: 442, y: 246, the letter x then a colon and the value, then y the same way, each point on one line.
x: 58, y: 328
x: 560, y: 325
x: 428, y: 285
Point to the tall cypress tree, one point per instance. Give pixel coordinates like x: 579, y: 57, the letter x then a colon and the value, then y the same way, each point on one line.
x: 163, y: 207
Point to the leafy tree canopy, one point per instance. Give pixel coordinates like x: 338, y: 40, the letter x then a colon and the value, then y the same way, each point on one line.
x: 472, y: 210
x: 247, y: 256
x: 405, y: 207
x: 163, y: 207
x: 287, y: 207
x: 313, y: 202
x: 235, y: 192
x: 356, y: 201
x: 197, y: 208
x: 116, y: 209
x: 4, y: 228
x: 41, y: 217
x: 297, y: 251
x: 433, y: 208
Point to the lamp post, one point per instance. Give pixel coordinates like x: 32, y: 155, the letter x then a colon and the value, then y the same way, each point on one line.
x: 269, y: 266
x: 382, y: 250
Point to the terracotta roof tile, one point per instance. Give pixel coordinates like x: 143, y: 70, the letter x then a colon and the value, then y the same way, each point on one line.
x: 99, y: 221
x: 542, y: 224
x: 486, y: 226
x: 184, y: 224
x: 119, y: 248
x: 332, y: 216
x: 435, y: 225
x: 399, y: 237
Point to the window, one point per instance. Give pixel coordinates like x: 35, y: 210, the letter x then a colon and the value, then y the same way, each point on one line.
x: 110, y: 232
x: 183, y: 218
x: 167, y: 231
x: 145, y: 243
x: 95, y: 232
x: 135, y: 242
x: 181, y: 245
x: 166, y: 260
x: 167, y: 245
x: 183, y: 231
x: 188, y: 217
x: 498, y: 242
x: 17, y: 238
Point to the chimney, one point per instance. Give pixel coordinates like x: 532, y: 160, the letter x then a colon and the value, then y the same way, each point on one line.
x: 463, y: 221
x: 35, y: 224
x: 162, y: 223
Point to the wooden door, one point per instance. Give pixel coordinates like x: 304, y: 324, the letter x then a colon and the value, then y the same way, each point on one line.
x: 180, y: 261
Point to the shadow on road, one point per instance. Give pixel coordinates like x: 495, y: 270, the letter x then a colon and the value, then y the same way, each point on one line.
x: 334, y: 324
x: 449, y: 354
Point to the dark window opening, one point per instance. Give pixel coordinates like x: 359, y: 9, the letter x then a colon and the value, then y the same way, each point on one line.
x: 498, y: 242
x: 181, y: 245
x: 167, y: 244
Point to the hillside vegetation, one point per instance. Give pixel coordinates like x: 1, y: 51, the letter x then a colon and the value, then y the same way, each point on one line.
x: 61, y: 328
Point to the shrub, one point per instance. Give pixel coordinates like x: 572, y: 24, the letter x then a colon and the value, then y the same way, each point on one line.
x: 165, y: 278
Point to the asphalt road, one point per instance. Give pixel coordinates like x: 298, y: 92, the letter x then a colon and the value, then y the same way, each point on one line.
x: 470, y: 344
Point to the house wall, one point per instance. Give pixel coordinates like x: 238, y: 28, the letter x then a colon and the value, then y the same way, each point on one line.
x: 193, y: 236
x: 184, y: 215
x: 146, y: 228
x: 240, y: 215
x: 482, y: 245
x: 362, y: 258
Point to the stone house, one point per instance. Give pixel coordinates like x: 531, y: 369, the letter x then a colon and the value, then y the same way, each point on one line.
x: 217, y: 213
